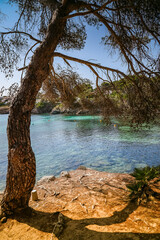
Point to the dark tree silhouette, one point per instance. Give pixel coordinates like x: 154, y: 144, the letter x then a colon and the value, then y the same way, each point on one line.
x: 130, y: 27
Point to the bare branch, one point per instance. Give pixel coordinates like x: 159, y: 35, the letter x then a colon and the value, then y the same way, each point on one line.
x: 78, y: 14
x: 82, y: 4
x: 23, y: 68
x: 28, y: 53
x: 87, y: 12
x: 26, y: 58
x: 67, y: 62
x: 87, y: 63
x: 103, y: 6
x: 97, y: 79
x: 19, y: 19
x: 21, y: 32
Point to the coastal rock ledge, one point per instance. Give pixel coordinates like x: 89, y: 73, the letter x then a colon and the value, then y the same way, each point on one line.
x: 4, y: 110
x: 89, y: 205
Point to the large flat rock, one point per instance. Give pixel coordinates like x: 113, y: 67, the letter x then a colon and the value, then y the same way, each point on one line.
x: 94, y: 206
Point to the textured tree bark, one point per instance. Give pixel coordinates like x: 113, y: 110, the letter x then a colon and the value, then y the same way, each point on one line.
x: 21, y: 159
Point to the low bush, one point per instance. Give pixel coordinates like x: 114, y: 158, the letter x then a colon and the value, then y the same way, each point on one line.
x: 44, y: 106
x: 141, y: 188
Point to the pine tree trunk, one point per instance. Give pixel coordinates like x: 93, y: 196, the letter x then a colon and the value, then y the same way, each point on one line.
x: 21, y: 160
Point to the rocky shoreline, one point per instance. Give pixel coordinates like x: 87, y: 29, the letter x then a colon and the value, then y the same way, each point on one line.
x: 85, y: 204
x: 55, y: 111
x: 45, y: 106
x: 4, y: 110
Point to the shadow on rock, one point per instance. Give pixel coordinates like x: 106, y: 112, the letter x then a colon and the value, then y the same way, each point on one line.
x: 68, y: 229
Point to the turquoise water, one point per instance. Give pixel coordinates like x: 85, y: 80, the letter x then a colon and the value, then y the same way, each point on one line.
x: 65, y: 142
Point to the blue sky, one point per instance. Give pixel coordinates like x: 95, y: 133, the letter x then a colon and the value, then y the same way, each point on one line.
x: 93, y: 50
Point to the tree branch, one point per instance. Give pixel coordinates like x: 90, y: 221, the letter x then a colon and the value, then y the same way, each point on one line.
x: 23, y: 68
x: 88, y: 12
x: 26, y: 58
x: 97, y: 79
x: 91, y: 65
x: 82, y: 4
x: 21, y: 32
x: 17, y: 23
x: 124, y: 49
x: 145, y: 25
x: 87, y: 63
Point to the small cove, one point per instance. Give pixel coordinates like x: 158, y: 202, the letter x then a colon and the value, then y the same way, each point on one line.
x: 64, y: 142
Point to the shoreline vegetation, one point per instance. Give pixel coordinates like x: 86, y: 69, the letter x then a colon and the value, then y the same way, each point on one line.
x: 85, y: 204
x: 107, y: 99
x: 85, y: 99
x: 47, y: 107
x: 5, y: 110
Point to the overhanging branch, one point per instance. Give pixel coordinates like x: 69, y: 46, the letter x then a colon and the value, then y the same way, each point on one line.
x: 21, y: 32
x: 91, y: 65
x: 87, y: 12
x: 87, y: 63
x: 122, y: 46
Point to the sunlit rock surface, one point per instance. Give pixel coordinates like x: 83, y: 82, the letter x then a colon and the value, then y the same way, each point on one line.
x: 93, y: 205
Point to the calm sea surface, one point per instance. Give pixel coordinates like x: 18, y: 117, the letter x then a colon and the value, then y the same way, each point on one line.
x: 65, y: 142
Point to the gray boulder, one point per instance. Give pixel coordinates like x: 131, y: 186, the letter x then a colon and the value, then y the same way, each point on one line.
x: 65, y: 174
x: 46, y: 179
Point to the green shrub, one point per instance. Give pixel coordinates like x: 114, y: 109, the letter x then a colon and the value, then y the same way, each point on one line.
x: 140, y: 189
x: 2, y: 104
x: 44, y: 106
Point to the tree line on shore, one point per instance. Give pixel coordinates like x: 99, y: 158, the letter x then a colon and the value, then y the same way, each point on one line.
x: 75, y: 95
